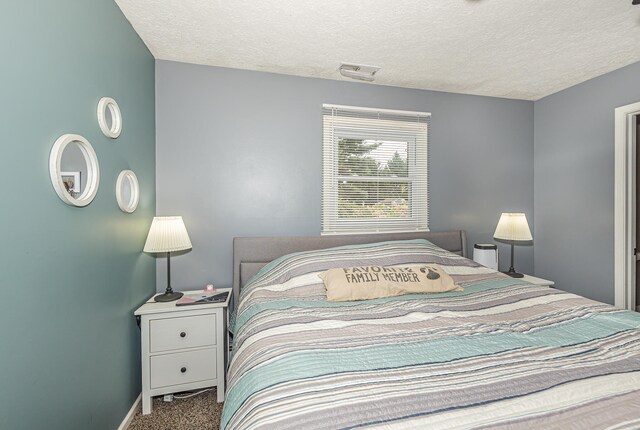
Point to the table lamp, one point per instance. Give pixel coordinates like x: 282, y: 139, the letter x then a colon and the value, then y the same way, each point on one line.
x: 167, y: 234
x: 513, y: 227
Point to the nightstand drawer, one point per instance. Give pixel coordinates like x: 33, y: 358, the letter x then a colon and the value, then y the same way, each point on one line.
x: 183, y: 367
x: 185, y: 332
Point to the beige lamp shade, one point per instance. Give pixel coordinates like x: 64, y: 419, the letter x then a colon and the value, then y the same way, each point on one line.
x: 167, y: 234
x: 513, y: 226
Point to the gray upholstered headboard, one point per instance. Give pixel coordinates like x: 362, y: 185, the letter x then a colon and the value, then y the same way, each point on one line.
x: 250, y: 254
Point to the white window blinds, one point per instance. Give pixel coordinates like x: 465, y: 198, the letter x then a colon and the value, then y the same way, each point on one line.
x: 375, y: 172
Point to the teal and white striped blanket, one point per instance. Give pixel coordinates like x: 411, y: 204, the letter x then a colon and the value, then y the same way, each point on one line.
x: 501, y: 354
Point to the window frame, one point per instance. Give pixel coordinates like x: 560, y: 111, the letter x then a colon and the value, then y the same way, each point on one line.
x: 336, y: 127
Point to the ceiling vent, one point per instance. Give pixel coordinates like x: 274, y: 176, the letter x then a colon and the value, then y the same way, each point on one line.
x: 358, y: 71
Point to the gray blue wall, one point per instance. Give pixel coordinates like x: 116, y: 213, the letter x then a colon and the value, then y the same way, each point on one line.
x: 239, y: 153
x: 70, y: 277
x: 574, y: 179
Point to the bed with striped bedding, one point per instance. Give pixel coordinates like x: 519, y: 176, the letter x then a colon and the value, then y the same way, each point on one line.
x: 500, y: 354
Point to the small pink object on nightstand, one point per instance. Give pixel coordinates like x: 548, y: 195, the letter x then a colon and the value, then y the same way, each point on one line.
x: 209, y: 288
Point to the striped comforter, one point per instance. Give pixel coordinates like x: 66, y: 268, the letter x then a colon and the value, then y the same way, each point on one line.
x: 501, y: 354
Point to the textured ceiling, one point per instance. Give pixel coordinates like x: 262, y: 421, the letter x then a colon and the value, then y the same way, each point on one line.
x: 523, y: 49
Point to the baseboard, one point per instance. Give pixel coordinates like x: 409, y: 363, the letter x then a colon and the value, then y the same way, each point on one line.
x: 129, y: 417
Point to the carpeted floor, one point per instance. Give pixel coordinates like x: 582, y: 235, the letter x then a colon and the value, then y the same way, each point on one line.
x: 200, y: 412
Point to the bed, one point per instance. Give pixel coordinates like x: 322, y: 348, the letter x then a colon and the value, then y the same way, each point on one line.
x: 500, y: 354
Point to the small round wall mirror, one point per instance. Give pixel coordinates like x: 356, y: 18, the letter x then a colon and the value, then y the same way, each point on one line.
x: 74, y: 170
x: 109, y: 117
x: 127, y: 191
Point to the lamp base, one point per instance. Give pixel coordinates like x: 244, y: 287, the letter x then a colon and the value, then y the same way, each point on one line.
x: 514, y: 274
x: 168, y: 297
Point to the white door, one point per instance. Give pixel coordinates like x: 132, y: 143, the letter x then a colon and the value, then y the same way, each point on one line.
x: 626, y: 266
x: 634, y: 134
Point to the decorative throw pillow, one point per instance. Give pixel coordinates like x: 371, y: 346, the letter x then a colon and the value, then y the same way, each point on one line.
x: 374, y: 282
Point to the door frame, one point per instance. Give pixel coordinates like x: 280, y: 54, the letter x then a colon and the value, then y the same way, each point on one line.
x: 625, y: 206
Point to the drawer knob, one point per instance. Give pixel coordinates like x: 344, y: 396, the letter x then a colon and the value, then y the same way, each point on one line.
x: 183, y: 334
x: 183, y: 370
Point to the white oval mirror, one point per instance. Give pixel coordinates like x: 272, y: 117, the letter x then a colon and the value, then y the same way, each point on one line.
x: 109, y: 117
x: 127, y: 191
x: 74, y: 170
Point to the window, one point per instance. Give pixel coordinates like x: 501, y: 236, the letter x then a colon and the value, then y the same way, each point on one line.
x: 374, y: 170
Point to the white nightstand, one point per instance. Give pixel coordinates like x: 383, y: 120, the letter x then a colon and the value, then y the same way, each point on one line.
x: 183, y: 347
x: 538, y: 281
